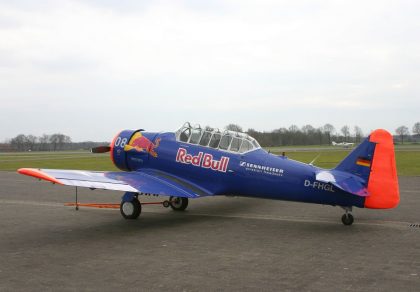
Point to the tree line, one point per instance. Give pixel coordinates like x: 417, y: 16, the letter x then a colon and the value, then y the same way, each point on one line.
x: 306, y: 135
x: 292, y: 135
x: 54, y: 142
x: 404, y: 134
x: 309, y: 135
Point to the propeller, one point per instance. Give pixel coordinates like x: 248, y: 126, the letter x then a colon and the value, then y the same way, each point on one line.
x: 100, y: 149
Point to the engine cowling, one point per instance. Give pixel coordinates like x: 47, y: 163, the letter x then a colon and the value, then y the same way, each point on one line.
x: 118, y: 154
x: 130, y: 149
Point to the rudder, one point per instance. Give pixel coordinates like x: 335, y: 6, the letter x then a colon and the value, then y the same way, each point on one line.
x: 383, y: 180
x: 374, y: 162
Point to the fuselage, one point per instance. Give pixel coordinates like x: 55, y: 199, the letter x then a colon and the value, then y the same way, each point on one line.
x: 255, y: 173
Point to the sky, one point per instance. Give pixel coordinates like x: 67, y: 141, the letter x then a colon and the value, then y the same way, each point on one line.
x: 91, y: 68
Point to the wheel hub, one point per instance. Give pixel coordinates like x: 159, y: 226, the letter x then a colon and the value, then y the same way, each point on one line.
x: 128, y: 208
x: 177, y: 203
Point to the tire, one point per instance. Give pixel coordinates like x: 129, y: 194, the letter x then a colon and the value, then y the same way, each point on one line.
x: 130, y: 209
x: 347, y: 219
x: 178, y: 203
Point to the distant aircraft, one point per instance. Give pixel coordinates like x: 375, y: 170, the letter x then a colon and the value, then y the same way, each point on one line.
x: 194, y: 162
x: 343, y: 144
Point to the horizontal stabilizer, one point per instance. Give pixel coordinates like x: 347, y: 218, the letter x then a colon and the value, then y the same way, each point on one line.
x: 345, y: 181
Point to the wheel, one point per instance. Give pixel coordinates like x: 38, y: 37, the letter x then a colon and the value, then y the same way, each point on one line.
x: 347, y: 219
x: 178, y: 204
x: 130, y: 209
x: 166, y: 204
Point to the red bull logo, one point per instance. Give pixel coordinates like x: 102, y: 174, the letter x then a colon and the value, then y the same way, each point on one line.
x: 203, y: 160
x: 141, y: 143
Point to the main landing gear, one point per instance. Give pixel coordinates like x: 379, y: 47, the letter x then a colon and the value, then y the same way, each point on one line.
x: 130, y: 206
x: 347, y: 218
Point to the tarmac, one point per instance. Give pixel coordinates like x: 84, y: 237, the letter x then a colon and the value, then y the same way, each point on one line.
x: 218, y: 243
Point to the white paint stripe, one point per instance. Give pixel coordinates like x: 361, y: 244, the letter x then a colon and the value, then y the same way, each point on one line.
x: 393, y: 224
x: 17, y: 180
x: 396, y: 224
x: 31, y: 203
x: 48, y: 158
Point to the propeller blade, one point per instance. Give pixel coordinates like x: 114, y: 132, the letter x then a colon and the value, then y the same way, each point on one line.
x: 100, y: 149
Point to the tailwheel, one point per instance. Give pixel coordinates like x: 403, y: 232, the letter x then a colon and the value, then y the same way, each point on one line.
x: 178, y: 203
x: 347, y: 219
x: 130, y: 209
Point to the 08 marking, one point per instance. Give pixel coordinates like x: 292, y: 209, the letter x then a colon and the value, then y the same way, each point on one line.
x: 120, y: 142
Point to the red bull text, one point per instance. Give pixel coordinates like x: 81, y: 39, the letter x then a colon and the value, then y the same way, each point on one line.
x: 204, y: 160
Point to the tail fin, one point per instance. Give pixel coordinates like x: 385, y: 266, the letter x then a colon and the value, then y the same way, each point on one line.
x: 374, y: 162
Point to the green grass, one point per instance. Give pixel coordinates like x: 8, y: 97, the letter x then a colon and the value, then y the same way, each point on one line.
x: 60, y: 160
x: 408, y: 160
x: 407, y: 146
x: 301, y: 148
x: 326, y: 159
x: 334, y: 148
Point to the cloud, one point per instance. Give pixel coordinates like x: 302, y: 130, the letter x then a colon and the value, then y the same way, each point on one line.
x: 198, y: 60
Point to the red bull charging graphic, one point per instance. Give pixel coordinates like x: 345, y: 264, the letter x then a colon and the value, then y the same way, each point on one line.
x: 141, y: 143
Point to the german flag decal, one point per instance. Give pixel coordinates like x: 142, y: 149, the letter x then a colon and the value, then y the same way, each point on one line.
x: 363, y: 162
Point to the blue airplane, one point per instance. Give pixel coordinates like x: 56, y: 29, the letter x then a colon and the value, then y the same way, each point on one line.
x: 194, y: 162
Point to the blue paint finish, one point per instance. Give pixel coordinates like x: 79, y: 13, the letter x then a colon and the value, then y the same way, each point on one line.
x: 151, y: 181
x: 156, y: 163
x: 365, y: 150
x: 253, y: 174
x: 128, y: 197
x: 118, y: 153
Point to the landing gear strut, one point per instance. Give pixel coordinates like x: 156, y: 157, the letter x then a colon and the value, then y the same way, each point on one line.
x: 130, y: 207
x: 178, y: 204
x: 347, y: 218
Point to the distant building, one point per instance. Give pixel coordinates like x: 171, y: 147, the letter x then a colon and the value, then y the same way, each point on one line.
x: 5, y: 147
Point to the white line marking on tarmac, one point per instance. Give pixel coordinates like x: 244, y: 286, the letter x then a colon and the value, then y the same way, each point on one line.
x: 393, y: 224
x: 48, y: 158
x: 31, y: 203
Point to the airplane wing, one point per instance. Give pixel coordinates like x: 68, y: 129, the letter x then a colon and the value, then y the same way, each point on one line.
x: 145, y: 181
x: 344, y: 181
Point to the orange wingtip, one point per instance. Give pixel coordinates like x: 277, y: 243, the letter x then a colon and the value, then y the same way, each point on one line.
x: 38, y: 174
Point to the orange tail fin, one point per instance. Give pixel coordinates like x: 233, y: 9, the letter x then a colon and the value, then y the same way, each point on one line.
x: 383, y: 180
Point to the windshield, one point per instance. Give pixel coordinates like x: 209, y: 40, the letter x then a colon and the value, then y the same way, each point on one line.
x: 228, y: 140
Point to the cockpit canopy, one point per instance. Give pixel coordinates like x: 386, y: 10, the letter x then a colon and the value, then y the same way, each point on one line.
x: 227, y: 140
